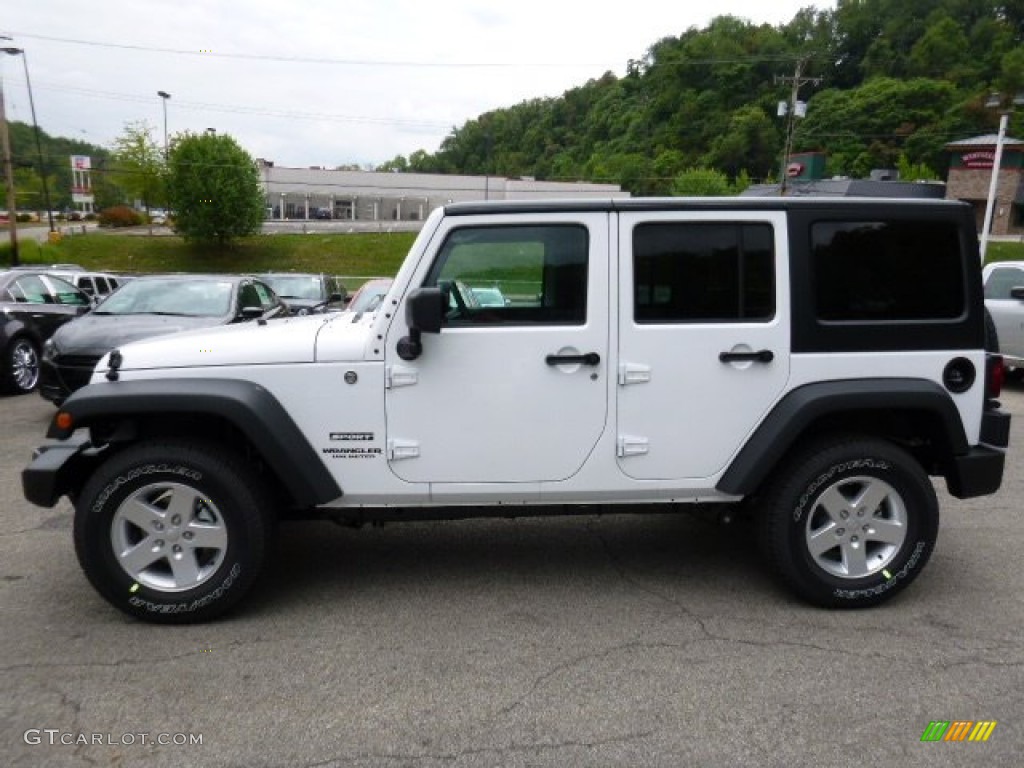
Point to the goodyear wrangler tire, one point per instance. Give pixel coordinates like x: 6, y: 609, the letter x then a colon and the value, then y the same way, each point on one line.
x: 172, y: 531
x: 849, y: 522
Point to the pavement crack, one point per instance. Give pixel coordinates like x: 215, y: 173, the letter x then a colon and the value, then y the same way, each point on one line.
x: 376, y: 758
x: 126, y: 662
x: 558, y: 669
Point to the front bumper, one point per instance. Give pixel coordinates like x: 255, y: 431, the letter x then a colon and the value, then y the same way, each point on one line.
x: 56, y: 469
x: 59, y: 379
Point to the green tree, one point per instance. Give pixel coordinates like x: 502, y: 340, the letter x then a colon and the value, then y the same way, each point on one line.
x: 751, y: 141
x: 701, y: 182
x: 914, y: 171
x: 214, y: 188
x: 138, y: 164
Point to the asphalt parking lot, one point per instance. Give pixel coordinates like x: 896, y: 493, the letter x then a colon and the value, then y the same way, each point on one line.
x: 652, y: 640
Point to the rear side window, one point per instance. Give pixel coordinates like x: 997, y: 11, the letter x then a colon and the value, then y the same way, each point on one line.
x: 703, y: 272
x: 887, y: 270
x: 32, y: 290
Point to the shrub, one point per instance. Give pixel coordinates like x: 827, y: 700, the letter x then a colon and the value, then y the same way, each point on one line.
x: 23, y: 218
x: 90, y: 217
x: 120, y: 216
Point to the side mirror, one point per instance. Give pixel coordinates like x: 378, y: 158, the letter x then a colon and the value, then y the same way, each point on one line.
x: 251, y: 313
x: 1017, y: 292
x: 424, y: 313
x: 424, y: 310
x: 335, y: 298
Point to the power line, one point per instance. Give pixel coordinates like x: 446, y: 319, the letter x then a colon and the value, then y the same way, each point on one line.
x: 310, y: 59
x: 242, y: 109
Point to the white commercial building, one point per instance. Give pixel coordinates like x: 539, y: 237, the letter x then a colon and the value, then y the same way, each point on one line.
x: 320, y: 193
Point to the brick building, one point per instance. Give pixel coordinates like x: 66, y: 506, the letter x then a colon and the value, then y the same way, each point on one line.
x: 970, y: 173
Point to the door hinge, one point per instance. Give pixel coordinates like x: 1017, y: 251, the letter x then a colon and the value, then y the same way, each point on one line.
x: 629, y: 445
x: 403, y: 449
x: 634, y: 373
x: 397, y: 376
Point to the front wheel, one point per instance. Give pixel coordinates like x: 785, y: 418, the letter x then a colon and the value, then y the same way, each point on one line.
x: 172, y: 531
x: 849, y: 522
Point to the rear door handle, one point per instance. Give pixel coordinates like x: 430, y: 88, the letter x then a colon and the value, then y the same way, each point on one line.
x: 763, y: 356
x: 590, y: 358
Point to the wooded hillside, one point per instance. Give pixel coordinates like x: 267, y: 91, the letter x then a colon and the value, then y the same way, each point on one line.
x: 900, y: 79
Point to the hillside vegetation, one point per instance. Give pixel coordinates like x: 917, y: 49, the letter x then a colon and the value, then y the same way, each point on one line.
x: 899, y: 80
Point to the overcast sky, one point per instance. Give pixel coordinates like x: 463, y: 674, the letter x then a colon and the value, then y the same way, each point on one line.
x: 311, y: 82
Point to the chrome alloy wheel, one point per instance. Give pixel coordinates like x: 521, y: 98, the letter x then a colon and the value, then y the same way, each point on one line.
x: 856, y: 527
x: 168, y: 537
x: 24, y: 365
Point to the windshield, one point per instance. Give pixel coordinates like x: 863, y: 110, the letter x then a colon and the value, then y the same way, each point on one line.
x: 295, y: 286
x: 192, y: 298
x: 369, y: 297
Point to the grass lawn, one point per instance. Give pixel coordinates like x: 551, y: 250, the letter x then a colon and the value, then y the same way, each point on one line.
x: 1004, y: 251
x: 368, y: 255
x: 363, y: 254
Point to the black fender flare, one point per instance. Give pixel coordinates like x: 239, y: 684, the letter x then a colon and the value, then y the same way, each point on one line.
x: 799, y: 409
x: 248, y: 406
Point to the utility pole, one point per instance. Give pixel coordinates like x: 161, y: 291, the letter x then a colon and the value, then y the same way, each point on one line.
x: 12, y: 211
x: 795, y: 81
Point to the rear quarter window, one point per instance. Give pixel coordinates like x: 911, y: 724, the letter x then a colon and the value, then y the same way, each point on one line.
x: 864, y: 271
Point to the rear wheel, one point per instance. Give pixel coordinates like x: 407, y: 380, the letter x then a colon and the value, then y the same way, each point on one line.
x: 172, y: 531
x: 20, y: 371
x: 849, y: 522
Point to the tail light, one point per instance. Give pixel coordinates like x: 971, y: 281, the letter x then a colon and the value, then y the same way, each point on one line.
x: 995, y: 375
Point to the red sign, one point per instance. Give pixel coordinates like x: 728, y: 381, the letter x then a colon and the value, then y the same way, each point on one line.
x: 979, y: 160
x: 794, y: 169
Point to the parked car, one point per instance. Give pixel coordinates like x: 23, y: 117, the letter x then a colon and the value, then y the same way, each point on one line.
x: 489, y: 297
x: 94, y: 284
x: 370, y: 295
x: 33, y: 305
x: 306, y: 294
x: 1004, y: 299
x: 149, y: 306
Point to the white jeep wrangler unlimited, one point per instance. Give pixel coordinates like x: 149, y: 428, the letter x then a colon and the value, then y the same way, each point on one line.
x: 815, y: 359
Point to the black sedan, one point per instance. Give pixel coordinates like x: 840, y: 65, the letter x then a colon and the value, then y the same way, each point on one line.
x: 32, y: 306
x: 149, y: 306
x: 308, y: 293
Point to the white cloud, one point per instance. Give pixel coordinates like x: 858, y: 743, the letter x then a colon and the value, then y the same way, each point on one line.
x: 401, y: 73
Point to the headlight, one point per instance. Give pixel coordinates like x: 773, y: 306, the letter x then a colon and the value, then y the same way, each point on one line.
x: 49, y: 350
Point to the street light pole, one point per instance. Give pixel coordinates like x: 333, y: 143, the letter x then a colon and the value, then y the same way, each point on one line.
x: 12, y: 208
x: 993, y: 183
x: 996, y: 100
x: 35, y: 126
x: 164, y: 96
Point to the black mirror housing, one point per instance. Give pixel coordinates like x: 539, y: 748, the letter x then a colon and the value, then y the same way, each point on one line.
x: 424, y: 310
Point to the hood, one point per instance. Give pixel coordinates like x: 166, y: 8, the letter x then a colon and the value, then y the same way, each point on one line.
x: 288, y: 340
x: 96, y: 334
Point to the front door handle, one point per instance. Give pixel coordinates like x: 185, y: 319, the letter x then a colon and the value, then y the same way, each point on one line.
x: 590, y: 358
x: 763, y: 356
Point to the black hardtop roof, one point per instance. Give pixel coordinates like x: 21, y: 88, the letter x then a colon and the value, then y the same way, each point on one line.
x: 690, y: 204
